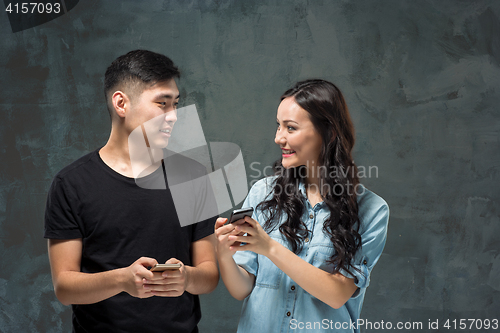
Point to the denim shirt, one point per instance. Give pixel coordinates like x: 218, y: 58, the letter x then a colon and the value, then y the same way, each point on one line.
x: 277, y: 303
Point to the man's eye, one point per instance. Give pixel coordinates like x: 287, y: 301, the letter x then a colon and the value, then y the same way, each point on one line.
x: 162, y: 103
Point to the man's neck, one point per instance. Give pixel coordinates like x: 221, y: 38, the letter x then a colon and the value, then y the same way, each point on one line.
x: 116, y: 154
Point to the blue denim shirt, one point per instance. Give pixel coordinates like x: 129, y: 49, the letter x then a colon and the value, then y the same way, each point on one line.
x: 277, y: 303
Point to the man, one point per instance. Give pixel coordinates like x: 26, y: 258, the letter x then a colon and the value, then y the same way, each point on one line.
x: 104, y: 231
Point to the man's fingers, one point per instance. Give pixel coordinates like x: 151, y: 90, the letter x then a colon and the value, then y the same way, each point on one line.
x: 163, y: 287
x: 156, y: 276
x: 147, y: 262
x: 162, y: 282
x: 170, y: 293
x: 173, y: 261
x: 172, y: 273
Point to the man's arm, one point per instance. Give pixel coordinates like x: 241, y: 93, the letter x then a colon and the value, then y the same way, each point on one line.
x: 203, y: 277
x: 200, y: 278
x: 74, y: 287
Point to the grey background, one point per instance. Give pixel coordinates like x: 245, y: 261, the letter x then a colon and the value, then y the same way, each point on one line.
x: 420, y: 77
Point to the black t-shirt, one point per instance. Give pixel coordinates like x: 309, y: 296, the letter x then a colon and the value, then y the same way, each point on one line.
x: 119, y: 222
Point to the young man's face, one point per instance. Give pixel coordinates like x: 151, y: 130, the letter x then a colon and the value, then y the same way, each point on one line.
x: 155, y: 109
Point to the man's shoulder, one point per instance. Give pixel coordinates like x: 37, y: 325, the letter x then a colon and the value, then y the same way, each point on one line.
x: 74, y: 168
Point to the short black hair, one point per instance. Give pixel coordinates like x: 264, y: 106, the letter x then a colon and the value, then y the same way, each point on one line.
x: 136, y: 70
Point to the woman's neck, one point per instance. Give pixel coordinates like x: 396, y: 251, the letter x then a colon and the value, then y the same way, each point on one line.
x: 313, y: 187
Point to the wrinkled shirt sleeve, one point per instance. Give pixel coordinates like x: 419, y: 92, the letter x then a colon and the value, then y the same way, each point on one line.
x: 374, y: 217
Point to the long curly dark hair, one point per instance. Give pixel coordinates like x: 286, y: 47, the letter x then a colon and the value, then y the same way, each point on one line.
x: 329, y: 114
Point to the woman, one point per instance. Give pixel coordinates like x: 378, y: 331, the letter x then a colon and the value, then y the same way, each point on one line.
x: 303, y: 260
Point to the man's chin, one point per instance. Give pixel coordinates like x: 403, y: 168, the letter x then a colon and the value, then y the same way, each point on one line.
x: 160, y: 144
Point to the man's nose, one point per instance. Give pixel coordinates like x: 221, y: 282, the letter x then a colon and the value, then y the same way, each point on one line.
x: 171, y: 116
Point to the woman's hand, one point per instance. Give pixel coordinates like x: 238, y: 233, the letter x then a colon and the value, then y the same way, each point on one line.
x: 222, y: 233
x: 256, y: 239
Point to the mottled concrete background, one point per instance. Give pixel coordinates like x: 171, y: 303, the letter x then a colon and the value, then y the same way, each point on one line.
x: 421, y: 79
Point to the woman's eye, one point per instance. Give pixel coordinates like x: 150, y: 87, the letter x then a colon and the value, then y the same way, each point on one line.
x: 162, y: 103
x: 290, y: 128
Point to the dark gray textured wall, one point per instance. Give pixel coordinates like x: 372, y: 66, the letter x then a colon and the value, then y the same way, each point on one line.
x: 420, y: 77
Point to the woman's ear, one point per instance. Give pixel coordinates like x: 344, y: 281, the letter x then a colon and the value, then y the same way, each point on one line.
x: 333, y: 137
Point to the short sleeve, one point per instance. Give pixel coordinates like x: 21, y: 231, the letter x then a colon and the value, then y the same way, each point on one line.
x: 61, y: 218
x: 205, y: 209
x: 258, y: 193
x: 374, y: 217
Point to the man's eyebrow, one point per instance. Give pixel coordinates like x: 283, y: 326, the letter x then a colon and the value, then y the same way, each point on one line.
x: 167, y: 96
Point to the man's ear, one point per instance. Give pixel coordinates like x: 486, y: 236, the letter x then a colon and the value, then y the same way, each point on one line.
x: 121, y: 103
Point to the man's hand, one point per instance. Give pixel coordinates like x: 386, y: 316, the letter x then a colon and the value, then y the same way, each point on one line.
x: 136, y: 275
x: 170, y: 283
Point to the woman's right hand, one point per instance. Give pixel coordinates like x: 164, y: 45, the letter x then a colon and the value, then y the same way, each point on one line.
x: 222, y: 233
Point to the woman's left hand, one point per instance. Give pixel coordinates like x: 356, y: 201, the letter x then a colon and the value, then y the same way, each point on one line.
x: 256, y: 239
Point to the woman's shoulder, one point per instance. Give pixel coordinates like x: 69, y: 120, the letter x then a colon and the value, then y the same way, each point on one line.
x: 368, y: 198
x: 262, y: 188
x: 371, y: 207
x: 264, y: 183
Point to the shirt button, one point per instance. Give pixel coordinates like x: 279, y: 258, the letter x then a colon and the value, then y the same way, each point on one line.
x: 306, y: 240
x: 311, y: 216
x: 288, y: 314
x: 365, y: 262
x: 293, y: 288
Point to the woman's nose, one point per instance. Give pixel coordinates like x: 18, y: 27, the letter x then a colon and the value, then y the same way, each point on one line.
x: 279, y: 139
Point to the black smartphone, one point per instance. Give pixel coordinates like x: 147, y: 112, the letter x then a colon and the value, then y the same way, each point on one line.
x: 238, y: 214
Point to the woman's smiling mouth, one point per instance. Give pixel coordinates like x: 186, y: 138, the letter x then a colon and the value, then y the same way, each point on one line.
x: 287, y: 152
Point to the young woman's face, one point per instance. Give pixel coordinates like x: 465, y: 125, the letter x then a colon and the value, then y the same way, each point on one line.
x: 299, y: 141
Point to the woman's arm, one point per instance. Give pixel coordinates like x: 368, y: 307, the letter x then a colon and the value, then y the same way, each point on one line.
x: 332, y: 289
x: 238, y: 281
